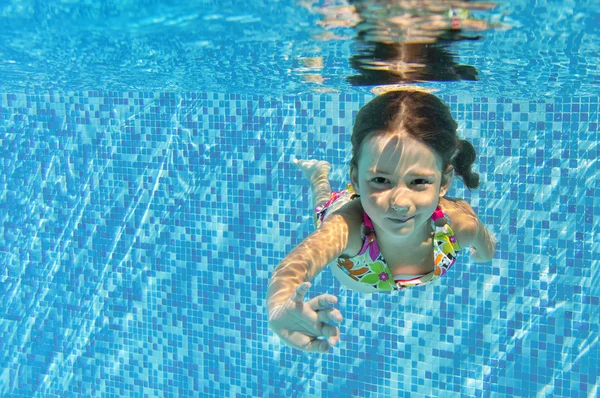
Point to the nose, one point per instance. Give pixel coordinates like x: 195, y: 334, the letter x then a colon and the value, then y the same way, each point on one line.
x: 400, y: 201
x: 400, y: 209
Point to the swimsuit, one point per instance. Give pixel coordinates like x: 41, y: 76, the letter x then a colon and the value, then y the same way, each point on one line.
x: 368, y: 272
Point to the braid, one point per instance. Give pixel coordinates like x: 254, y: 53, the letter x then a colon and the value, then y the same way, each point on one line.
x: 462, y: 164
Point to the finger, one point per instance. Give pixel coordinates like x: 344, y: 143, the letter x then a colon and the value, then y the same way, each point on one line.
x: 322, y: 301
x: 303, y: 342
x: 329, y: 315
x: 331, y: 333
x: 317, y: 345
x: 300, y: 291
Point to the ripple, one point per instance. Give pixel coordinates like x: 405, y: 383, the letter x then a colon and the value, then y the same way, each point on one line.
x: 255, y: 48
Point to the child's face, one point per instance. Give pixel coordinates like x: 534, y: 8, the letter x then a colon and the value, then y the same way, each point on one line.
x: 399, y: 180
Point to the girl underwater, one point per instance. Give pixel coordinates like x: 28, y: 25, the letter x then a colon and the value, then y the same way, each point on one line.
x: 393, y: 228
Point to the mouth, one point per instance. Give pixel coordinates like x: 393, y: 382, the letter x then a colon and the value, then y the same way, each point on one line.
x: 400, y: 220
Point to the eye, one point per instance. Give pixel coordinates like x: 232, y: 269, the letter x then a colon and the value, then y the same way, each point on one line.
x: 421, y: 181
x: 380, y: 180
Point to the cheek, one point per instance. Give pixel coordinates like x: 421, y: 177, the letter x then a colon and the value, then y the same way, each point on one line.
x: 373, y: 204
x: 426, y: 198
x: 379, y: 199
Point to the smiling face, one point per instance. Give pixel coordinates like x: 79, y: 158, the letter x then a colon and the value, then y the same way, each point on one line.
x: 399, y: 180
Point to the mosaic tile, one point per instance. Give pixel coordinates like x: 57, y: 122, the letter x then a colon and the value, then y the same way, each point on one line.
x: 140, y: 230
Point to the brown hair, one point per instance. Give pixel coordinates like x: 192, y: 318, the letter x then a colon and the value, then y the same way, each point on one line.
x: 423, y: 116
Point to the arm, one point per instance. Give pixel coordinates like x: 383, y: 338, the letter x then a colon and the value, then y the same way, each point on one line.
x: 300, y: 324
x: 470, y: 231
x: 483, y: 246
x: 307, y: 260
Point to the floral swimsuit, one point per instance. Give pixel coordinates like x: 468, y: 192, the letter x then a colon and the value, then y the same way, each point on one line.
x: 368, y: 272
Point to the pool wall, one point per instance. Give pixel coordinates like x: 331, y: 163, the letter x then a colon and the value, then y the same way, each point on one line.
x: 139, y: 231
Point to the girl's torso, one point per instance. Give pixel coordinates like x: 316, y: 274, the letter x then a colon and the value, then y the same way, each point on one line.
x: 365, y: 266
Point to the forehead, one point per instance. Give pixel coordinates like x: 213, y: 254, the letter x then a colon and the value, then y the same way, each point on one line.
x: 394, y: 150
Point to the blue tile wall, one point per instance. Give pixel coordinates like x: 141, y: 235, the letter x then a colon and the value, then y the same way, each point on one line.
x: 139, y: 231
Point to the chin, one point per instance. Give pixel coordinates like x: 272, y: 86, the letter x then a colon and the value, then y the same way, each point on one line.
x: 406, y: 228
x: 400, y: 229
x: 403, y: 231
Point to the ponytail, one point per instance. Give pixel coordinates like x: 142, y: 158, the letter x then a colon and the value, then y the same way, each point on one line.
x: 463, y: 161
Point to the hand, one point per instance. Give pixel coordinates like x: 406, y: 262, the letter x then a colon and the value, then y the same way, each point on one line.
x: 476, y: 256
x: 302, y: 324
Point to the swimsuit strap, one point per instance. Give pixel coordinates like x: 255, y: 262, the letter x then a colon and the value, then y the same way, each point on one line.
x: 367, y: 221
x: 437, y: 214
x: 369, y: 237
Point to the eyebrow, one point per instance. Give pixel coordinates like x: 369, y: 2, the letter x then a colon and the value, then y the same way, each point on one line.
x: 411, y: 173
x: 423, y: 174
x: 378, y: 171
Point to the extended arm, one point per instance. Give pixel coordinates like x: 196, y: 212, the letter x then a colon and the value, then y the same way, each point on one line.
x: 307, y: 260
x: 300, y: 324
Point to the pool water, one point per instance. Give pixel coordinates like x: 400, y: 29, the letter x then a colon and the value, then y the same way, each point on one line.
x: 147, y: 194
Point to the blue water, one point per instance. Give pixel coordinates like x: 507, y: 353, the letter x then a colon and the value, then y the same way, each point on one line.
x: 146, y: 195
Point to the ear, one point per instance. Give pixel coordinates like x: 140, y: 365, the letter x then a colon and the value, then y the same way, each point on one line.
x: 446, y: 180
x: 354, y: 179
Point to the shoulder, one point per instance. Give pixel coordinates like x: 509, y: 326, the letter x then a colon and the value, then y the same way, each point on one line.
x: 328, y: 242
x: 463, y: 220
x: 348, y: 218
